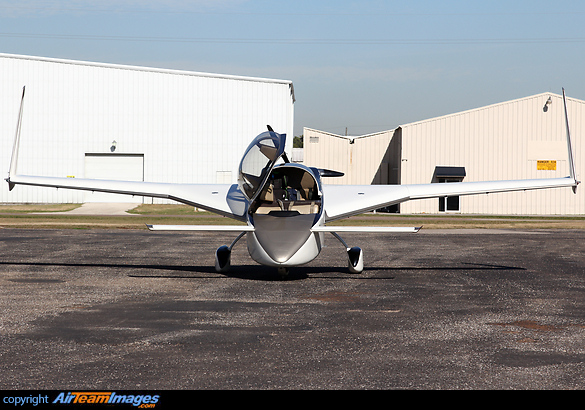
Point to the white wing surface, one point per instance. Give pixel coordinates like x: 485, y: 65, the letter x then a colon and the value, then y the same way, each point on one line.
x: 342, y: 201
x: 339, y: 201
x: 223, y: 199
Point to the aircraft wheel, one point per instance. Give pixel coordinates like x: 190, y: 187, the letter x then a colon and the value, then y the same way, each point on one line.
x: 223, y: 259
x: 355, y: 261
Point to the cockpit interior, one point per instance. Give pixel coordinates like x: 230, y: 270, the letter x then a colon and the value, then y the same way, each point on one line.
x: 289, y: 191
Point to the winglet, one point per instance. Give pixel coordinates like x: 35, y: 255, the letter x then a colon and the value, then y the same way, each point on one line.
x: 14, y: 159
x: 572, y: 172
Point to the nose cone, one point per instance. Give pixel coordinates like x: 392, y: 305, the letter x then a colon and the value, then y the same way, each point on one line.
x: 282, y: 236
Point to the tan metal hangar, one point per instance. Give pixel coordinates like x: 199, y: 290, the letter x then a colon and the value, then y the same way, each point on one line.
x: 519, y: 139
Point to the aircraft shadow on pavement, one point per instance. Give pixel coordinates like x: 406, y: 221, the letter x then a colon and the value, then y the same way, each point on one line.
x: 264, y: 273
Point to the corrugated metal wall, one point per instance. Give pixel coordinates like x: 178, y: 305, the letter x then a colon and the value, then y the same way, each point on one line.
x: 502, y: 141
x: 498, y: 142
x: 368, y: 159
x: 191, y: 127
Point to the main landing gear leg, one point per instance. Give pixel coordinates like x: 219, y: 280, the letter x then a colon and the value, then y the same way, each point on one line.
x: 223, y: 255
x: 355, y: 256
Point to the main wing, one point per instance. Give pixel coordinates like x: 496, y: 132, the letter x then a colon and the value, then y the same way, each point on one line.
x: 342, y: 201
x: 223, y: 199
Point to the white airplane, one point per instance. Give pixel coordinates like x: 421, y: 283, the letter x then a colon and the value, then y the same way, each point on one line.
x: 285, y: 205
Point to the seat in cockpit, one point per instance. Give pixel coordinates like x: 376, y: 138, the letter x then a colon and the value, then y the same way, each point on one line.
x: 289, y: 189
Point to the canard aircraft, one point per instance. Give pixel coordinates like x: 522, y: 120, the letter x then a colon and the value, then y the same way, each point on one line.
x: 285, y: 206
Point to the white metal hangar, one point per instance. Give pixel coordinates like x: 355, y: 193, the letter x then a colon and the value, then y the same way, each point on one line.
x: 519, y: 139
x: 106, y: 121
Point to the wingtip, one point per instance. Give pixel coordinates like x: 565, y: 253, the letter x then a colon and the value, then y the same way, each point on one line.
x: 15, y: 147
x: 10, y: 184
x: 571, y: 158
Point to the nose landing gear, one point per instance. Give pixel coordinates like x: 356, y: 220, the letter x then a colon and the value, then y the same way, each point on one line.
x: 283, y: 272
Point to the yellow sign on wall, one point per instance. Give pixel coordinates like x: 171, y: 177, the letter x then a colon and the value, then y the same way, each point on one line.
x: 542, y: 165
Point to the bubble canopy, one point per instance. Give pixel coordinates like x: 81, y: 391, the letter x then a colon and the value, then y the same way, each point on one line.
x: 258, y: 161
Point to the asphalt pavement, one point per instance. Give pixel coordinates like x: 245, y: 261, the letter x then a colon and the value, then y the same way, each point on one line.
x: 132, y: 309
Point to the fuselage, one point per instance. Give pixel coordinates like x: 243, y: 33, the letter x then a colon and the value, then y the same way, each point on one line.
x: 288, y: 206
x: 284, y: 201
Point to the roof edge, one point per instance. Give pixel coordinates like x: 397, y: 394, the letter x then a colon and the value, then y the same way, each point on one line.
x: 485, y: 107
x: 148, y: 69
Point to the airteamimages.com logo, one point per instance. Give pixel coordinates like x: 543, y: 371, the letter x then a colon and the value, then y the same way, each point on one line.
x: 143, y: 401
x: 78, y: 398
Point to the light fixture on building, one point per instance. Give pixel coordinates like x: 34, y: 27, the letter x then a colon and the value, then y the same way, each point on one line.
x: 547, y: 104
x: 113, y: 147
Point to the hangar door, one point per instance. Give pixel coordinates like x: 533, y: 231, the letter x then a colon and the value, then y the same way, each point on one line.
x: 118, y: 167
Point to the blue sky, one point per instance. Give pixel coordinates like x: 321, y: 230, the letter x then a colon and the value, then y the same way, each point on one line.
x: 365, y: 65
